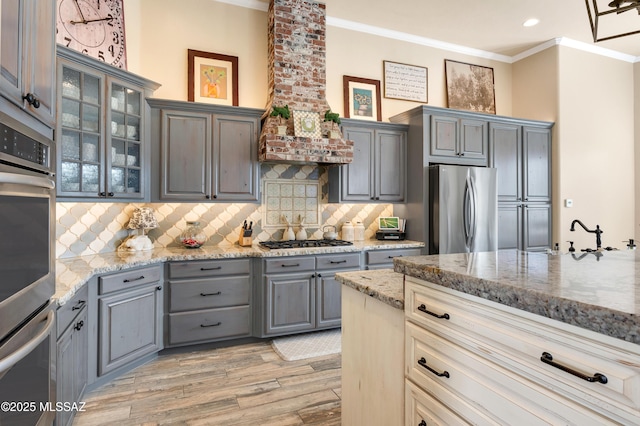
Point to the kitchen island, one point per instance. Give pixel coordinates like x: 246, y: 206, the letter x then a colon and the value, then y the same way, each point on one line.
x: 489, y: 319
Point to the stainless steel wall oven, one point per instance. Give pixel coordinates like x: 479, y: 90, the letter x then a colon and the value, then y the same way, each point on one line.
x: 27, y: 276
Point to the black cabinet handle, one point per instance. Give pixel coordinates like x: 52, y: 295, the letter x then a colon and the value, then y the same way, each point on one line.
x: 208, y: 197
x: 215, y: 196
x: 31, y: 100
x: 211, y: 325
x: 422, y: 423
x: 547, y: 358
x: 423, y: 363
x: 290, y: 266
x: 337, y: 261
x: 423, y: 308
x: 217, y: 293
x: 79, y: 305
x: 102, y: 194
x: 319, y: 275
x: 313, y: 275
x: 111, y: 194
x: 141, y: 277
x: 215, y: 268
x: 159, y: 288
x: 79, y: 325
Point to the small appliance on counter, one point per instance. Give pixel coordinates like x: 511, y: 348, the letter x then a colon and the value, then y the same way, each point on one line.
x: 391, y: 228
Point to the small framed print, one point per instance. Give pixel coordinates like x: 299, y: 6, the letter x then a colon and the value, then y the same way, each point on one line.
x: 213, y: 78
x: 362, y: 98
x: 306, y: 124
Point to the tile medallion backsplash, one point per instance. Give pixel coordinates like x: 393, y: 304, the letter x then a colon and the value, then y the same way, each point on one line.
x: 90, y: 228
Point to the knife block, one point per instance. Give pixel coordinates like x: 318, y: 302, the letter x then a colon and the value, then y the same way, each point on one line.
x: 245, y: 239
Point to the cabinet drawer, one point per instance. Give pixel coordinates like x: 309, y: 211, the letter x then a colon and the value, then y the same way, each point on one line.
x: 289, y: 264
x: 385, y: 256
x: 125, y: 280
x: 422, y: 407
x: 516, y: 340
x: 209, y: 268
x: 443, y: 367
x: 68, y: 312
x: 334, y: 261
x: 210, y: 324
x: 210, y: 293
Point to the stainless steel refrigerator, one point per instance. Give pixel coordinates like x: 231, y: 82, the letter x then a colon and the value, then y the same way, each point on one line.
x: 463, y: 209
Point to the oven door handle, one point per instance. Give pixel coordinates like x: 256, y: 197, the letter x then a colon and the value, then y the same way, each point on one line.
x: 18, y: 179
x: 9, y: 361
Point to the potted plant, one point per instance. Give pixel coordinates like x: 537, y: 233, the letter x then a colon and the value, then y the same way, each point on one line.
x: 333, y: 118
x: 283, y: 114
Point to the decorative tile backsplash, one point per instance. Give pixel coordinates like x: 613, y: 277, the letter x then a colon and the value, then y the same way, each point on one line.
x: 90, y: 228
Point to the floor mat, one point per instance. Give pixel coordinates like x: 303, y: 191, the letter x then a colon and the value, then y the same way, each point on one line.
x: 303, y: 346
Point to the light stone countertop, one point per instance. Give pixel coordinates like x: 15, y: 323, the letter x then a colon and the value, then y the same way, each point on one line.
x: 601, y: 294
x: 385, y: 285
x: 73, y: 273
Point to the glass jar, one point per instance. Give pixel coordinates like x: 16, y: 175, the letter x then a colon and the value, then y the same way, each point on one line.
x: 193, y: 236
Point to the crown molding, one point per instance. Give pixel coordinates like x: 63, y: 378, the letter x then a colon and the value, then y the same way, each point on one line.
x: 450, y: 47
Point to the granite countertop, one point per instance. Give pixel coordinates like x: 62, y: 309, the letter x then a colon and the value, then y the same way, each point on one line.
x: 385, y: 285
x: 73, y: 273
x: 598, y: 293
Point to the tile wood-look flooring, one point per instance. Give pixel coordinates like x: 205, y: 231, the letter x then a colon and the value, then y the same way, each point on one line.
x: 238, y: 385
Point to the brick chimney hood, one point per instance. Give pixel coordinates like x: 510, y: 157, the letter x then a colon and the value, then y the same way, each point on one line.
x: 297, y: 79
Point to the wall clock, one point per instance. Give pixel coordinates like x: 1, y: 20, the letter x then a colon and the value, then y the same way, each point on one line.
x: 93, y: 27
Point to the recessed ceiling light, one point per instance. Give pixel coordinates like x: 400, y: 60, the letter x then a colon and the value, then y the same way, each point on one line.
x: 530, y: 22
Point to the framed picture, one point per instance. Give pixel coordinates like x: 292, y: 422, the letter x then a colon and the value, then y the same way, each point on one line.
x: 362, y: 98
x: 470, y: 87
x: 306, y: 124
x: 405, y: 82
x: 213, y: 78
x: 389, y: 223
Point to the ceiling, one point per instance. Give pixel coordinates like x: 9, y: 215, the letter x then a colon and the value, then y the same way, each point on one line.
x: 491, y: 25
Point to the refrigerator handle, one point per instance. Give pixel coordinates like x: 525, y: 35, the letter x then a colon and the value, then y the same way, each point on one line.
x: 469, y: 216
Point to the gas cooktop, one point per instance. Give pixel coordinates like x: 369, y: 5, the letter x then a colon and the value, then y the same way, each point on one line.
x: 304, y: 244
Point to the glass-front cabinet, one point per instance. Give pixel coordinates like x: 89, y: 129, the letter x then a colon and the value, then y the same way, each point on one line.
x: 103, y: 148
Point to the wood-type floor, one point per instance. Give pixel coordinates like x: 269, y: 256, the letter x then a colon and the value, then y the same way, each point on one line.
x: 239, y: 385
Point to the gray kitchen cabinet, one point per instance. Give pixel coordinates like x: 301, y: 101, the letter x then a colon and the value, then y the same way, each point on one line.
x: 455, y: 139
x: 27, y: 58
x: 130, y: 311
x: 383, y: 259
x: 300, y: 293
x: 204, y: 152
x: 522, y: 155
x: 208, y: 301
x: 378, y: 170
x: 103, y: 143
x: 72, y: 354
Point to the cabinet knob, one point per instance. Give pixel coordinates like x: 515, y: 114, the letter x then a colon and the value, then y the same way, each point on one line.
x: 208, y: 197
x: 159, y: 288
x: 373, y: 198
x: 215, y: 196
x: 79, y: 325
x: 319, y: 275
x: 462, y: 154
x: 31, y: 100
x: 102, y: 194
x: 313, y: 275
x: 111, y: 194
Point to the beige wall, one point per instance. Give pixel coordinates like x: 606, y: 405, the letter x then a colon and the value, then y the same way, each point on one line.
x: 159, y: 32
x: 596, y: 147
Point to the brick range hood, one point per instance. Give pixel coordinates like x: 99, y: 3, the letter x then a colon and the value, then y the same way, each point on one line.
x: 297, y: 78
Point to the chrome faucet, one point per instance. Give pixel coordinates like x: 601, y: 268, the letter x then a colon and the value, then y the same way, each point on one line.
x: 596, y: 231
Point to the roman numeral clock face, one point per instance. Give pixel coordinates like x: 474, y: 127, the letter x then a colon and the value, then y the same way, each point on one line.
x: 93, y: 27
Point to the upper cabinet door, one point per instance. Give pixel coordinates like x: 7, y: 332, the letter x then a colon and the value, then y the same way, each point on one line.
x: 186, y: 155
x: 537, y: 164
x: 444, y: 136
x: 235, y: 158
x: 506, y: 143
x: 357, y: 177
x: 27, y: 57
x: 391, y: 157
x: 473, y: 139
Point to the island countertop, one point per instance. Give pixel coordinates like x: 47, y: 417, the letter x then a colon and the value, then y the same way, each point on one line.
x: 599, y: 293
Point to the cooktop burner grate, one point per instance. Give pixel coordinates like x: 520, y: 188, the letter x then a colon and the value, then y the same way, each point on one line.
x: 304, y: 244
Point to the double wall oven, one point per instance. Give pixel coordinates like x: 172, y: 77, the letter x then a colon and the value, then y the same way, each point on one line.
x: 27, y: 277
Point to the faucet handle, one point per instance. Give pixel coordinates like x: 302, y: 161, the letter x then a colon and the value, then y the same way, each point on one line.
x: 571, y: 248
